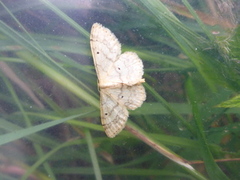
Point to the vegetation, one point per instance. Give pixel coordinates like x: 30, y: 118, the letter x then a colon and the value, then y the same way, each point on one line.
x: 189, y: 126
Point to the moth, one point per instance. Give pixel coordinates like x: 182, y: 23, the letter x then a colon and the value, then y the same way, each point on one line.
x: 119, y: 79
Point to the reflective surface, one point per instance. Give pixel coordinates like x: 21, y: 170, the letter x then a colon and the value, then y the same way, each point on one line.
x: 49, y: 100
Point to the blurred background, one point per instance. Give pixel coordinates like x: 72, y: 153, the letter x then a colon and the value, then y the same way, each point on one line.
x: 49, y: 101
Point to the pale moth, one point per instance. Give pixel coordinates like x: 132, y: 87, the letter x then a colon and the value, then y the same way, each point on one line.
x: 119, y: 79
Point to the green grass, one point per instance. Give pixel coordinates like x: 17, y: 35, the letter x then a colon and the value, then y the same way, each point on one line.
x: 188, y: 128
